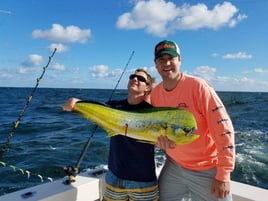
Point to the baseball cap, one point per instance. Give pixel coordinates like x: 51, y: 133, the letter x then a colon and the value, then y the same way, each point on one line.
x: 166, y: 47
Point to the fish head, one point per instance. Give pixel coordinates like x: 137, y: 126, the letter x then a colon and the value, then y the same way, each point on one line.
x: 182, y: 135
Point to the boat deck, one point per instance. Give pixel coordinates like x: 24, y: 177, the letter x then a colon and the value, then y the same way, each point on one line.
x: 89, y: 187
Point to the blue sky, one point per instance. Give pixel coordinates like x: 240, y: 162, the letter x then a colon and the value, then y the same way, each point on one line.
x: 224, y: 42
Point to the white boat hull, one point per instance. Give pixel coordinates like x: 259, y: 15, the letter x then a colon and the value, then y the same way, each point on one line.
x: 88, y: 186
x: 85, y: 188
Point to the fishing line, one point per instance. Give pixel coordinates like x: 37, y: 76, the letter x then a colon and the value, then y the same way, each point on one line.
x: 24, y: 172
x: 17, y: 122
x: 72, y: 171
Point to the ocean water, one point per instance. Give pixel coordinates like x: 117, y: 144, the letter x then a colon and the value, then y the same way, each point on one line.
x: 48, y: 139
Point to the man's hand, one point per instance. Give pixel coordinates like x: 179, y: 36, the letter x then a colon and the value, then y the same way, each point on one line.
x: 164, y: 143
x: 220, y: 189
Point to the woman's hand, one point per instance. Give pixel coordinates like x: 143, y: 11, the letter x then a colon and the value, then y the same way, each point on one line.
x: 69, y: 105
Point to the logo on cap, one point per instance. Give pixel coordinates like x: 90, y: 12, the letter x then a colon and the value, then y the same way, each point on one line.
x: 166, y: 47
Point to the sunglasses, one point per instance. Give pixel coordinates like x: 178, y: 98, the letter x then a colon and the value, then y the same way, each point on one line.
x: 139, y: 78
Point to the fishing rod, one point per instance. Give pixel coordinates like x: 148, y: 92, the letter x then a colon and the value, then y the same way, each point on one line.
x: 17, y: 122
x: 73, y: 171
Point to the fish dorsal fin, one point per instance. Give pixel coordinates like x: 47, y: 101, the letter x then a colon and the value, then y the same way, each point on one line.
x: 154, y: 109
x: 92, y: 101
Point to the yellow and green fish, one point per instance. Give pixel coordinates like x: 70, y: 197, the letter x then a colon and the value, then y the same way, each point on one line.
x: 144, y: 125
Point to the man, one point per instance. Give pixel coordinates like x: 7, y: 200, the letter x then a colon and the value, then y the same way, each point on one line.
x: 200, y: 170
x: 131, y: 174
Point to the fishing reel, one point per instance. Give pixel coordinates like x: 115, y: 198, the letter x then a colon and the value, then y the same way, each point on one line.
x: 71, y: 172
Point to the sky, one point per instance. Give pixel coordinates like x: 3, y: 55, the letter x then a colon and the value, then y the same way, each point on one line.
x: 100, y: 42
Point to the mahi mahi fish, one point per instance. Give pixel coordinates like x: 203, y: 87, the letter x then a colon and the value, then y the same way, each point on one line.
x: 145, y: 125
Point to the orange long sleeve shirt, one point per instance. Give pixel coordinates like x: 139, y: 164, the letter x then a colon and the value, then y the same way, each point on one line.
x: 215, y: 146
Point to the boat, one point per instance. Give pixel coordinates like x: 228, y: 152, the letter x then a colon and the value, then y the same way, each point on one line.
x: 89, y: 186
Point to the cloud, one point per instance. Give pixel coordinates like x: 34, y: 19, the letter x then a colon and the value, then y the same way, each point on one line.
x: 70, y: 34
x: 60, y: 47
x: 5, y: 12
x: 58, y: 67
x: 161, y: 18
x: 75, y: 70
x: 149, y: 15
x: 22, y: 70
x: 33, y: 60
x: 260, y: 70
x: 102, y: 71
x: 214, y: 54
x: 231, y: 83
x: 6, y: 74
x: 99, y: 71
x: 116, y: 72
x: 239, y: 55
x: 205, y: 72
x: 239, y: 18
x: 240, y: 84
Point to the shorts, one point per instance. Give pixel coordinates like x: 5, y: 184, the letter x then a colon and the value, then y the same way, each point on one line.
x: 177, y: 183
x: 117, y: 189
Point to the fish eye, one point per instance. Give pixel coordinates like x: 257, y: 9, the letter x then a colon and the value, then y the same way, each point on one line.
x: 188, y: 131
